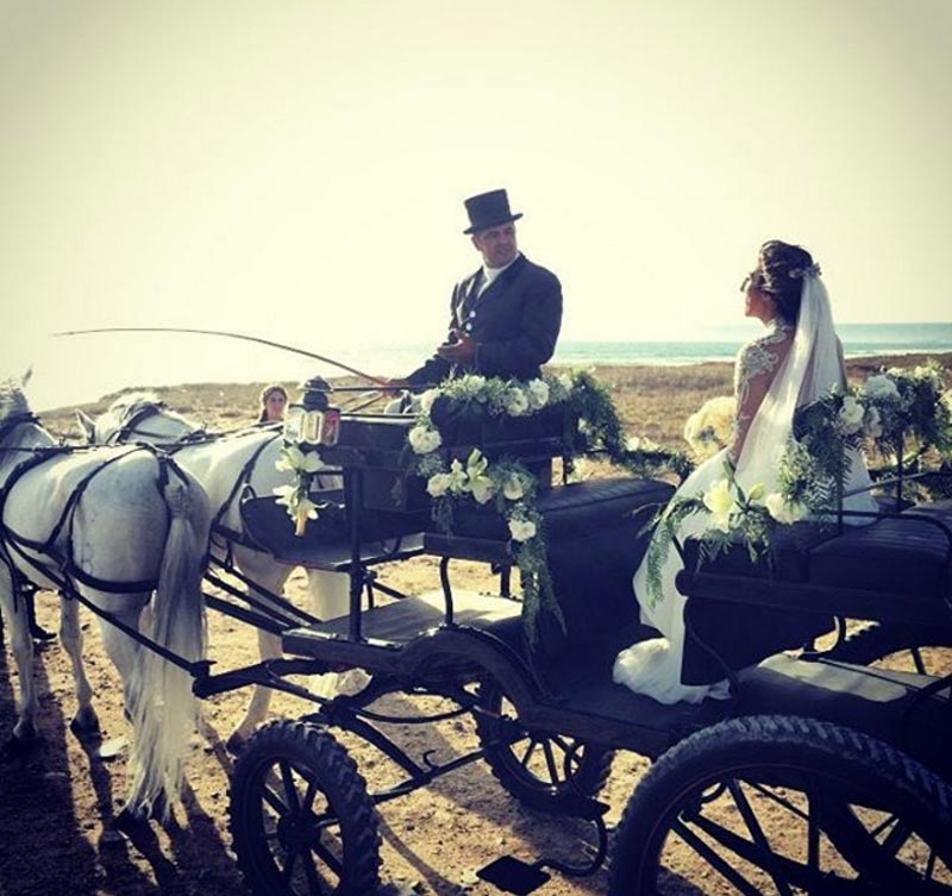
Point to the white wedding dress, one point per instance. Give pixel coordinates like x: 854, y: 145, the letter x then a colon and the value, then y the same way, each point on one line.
x: 775, y: 374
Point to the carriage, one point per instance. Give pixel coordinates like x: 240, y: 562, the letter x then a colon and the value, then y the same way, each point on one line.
x: 855, y: 760
x: 850, y: 762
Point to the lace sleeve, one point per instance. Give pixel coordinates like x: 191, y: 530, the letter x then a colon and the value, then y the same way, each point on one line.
x: 754, y: 371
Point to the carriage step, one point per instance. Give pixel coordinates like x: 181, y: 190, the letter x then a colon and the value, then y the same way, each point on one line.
x: 512, y: 875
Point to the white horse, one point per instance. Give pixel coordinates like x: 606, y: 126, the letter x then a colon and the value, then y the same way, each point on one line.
x: 220, y: 464
x: 93, y: 522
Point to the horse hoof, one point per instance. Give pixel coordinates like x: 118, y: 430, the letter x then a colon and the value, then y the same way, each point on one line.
x: 132, y: 823
x: 85, y: 725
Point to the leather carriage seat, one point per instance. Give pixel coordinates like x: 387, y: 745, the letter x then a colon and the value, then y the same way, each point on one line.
x: 575, y: 510
x: 904, y: 556
x: 882, y: 703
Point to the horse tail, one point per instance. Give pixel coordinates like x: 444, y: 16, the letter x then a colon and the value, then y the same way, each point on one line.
x: 165, y: 710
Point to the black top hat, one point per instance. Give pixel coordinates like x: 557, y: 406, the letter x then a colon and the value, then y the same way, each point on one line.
x: 488, y: 210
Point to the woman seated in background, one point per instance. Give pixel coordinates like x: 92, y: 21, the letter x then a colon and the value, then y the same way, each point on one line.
x: 797, y: 361
x: 273, y: 400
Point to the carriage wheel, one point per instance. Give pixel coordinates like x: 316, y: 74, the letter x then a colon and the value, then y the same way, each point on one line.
x: 541, y: 768
x: 893, y: 646
x: 300, y: 817
x: 782, y: 805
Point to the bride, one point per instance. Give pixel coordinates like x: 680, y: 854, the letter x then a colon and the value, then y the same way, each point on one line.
x: 794, y: 363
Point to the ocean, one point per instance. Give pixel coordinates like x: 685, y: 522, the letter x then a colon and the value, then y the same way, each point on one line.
x: 83, y: 369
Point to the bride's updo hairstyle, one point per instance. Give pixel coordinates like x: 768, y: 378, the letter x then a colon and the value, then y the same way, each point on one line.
x: 782, y: 267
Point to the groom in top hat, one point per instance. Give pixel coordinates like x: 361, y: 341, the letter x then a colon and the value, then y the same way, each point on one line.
x: 505, y: 318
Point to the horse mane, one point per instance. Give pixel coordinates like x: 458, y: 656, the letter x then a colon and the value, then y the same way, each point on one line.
x: 12, y: 399
x: 126, y: 406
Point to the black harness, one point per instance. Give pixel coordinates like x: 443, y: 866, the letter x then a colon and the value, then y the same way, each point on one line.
x: 131, y: 427
x: 67, y: 571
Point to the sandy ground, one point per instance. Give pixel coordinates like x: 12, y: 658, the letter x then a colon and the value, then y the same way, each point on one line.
x: 57, y: 804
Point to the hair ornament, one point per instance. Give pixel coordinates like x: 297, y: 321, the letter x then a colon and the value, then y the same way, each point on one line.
x: 812, y: 270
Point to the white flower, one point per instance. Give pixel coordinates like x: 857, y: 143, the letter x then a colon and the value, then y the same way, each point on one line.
x: 850, y: 417
x: 927, y: 374
x: 457, y: 476
x: 718, y: 498
x: 427, y: 399
x: 517, y: 403
x: 756, y: 494
x: 565, y: 381
x: 438, y: 484
x: 708, y: 429
x: 872, y: 423
x: 880, y: 387
x: 783, y: 512
x: 522, y: 530
x: 306, y: 508
x: 720, y: 502
x: 636, y: 443
x: 284, y: 493
x: 423, y: 440
x: 513, y: 488
x: 293, y: 460
x: 482, y: 487
x: 538, y: 394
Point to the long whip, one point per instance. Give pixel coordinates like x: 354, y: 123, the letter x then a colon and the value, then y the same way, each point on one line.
x: 242, y: 336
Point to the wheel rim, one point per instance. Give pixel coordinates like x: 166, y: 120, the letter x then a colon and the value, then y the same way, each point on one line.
x: 791, y: 831
x: 297, y: 842
x: 547, y: 762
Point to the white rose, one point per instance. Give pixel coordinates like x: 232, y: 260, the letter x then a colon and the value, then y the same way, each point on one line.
x: 850, y: 417
x: 538, y: 394
x: 880, y: 387
x: 438, y: 483
x: 513, y: 488
x: 522, y: 530
x: 516, y: 402
x: 783, y: 512
x: 423, y: 440
x: 718, y: 498
x: 927, y: 374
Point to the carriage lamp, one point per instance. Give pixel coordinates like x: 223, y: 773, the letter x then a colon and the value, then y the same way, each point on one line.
x: 312, y: 420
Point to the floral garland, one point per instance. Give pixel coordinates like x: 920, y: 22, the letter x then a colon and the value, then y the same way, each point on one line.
x: 506, y: 484
x: 297, y: 496
x: 889, y: 408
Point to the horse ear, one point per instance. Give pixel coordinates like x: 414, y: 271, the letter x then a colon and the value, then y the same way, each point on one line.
x: 87, y: 426
x: 26, y: 377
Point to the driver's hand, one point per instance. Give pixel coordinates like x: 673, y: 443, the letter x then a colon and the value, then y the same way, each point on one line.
x: 461, y: 352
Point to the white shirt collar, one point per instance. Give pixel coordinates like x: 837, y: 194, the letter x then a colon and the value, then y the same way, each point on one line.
x: 490, y: 274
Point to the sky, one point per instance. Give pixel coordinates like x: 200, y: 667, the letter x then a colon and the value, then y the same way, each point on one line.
x: 296, y: 169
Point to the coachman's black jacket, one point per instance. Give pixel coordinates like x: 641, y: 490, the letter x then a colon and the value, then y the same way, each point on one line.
x: 514, y: 323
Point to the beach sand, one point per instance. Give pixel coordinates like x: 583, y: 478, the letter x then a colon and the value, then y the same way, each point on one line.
x: 56, y: 804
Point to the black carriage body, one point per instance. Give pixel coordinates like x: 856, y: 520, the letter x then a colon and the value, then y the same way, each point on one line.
x: 596, y: 536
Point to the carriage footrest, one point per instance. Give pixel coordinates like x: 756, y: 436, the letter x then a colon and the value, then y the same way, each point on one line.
x: 512, y: 875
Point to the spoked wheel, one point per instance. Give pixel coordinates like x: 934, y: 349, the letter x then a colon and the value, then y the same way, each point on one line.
x: 902, y: 647
x: 300, y: 817
x: 781, y: 805
x: 541, y: 768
